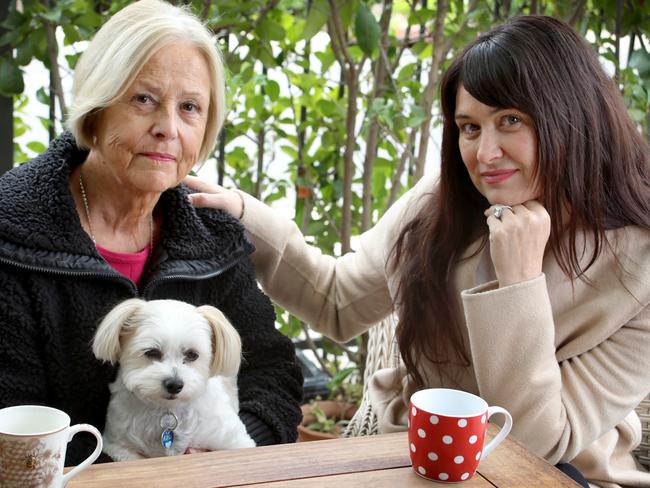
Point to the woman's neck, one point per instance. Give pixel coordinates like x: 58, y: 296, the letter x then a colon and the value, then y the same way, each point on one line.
x: 116, y: 216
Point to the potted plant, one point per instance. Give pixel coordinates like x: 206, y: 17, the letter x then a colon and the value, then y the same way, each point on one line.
x: 326, y: 419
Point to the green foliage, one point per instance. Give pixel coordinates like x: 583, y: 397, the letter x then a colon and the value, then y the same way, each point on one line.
x: 345, y: 386
x: 323, y: 423
x: 11, y: 78
x: 366, y: 30
x: 288, y: 101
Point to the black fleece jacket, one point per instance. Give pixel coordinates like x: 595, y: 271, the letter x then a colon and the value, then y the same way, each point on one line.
x: 56, y: 288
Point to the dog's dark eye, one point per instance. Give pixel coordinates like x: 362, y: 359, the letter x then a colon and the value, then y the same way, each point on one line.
x: 191, y: 356
x: 155, y: 354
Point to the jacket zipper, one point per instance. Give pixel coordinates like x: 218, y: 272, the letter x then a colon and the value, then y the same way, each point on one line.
x: 206, y: 276
x: 120, y: 278
x: 62, y: 272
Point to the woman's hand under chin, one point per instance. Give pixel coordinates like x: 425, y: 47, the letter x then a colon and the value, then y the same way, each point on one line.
x: 214, y: 196
x: 518, y: 241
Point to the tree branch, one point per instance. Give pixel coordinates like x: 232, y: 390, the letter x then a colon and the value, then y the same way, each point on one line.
x: 350, y: 76
x: 577, y: 12
x: 53, y: 54
x: 429, y: 92
x: 397, y: 176
x: 372, y: 139
x: 253, y: 25
x: 206, y: 9
x: 312, y: 346
x: 472, y: 7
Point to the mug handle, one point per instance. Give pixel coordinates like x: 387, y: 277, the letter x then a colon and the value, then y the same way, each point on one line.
x: 90, y: 459
x: 505, y: 430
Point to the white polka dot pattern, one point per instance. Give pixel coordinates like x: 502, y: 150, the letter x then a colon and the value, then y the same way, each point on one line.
x: 445, y: 448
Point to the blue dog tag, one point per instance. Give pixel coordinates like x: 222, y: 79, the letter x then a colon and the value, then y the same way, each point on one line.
x: 167, y: 438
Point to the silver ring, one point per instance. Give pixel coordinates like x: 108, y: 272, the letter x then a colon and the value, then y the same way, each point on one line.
x: 498, y: 210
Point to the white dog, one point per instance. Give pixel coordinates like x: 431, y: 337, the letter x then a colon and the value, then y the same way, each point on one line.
x: 176, y: 386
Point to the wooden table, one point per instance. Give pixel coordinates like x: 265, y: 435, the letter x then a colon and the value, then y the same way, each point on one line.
x: 380, y: 461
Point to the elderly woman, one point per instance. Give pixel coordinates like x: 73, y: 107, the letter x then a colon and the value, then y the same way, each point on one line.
x: 100, y: 217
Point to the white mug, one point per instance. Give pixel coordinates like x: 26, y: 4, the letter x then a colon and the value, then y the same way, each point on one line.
x: 33, y: 441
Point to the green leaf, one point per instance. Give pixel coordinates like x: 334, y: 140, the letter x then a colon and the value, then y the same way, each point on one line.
x: 416, y: 117
x: 316, y: 19
x: 640, y: 60
x: 72, y: 59
x: 346, y: 9
x: 290, y: 151
x: 14, y: 20
x: 45, y: 122
x: 426, y: 52
x: 258, y: 104
x: 272, y: 90
x: 366, y: 30
x: 11, y: 78
x: 295, y: 30
x: 270, y: 30
x: 38, y: 45
x: 90, y: 20
x: 407, y: 72
x: 326, y: 58
x: 42, y: 96
x: 23, y: 55
x: 9, y: 37
x: 636, y: 114
x: 265, y: 54
x: 71, y: 34
x: 37, y: 147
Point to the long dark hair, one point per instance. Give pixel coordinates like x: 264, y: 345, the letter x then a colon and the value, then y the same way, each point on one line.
x: 589, y: 153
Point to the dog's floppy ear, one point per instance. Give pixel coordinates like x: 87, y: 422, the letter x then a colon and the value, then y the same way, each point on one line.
x: 226, y: 342
x: 106, y: 343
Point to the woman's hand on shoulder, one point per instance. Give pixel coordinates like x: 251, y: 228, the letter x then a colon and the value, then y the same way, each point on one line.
x: 214, y: 196
x: 518, y: 240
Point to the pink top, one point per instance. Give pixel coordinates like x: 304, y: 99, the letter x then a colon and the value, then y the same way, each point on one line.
x: 129, y: 264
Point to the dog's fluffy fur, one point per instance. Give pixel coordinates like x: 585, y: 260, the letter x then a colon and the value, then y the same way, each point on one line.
x: 163, y: 346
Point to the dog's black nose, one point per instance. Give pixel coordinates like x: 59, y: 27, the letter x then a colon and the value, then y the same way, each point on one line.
x: 173, y: 385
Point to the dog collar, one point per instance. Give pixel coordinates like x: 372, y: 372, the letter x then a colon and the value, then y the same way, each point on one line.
x: 168, y: 422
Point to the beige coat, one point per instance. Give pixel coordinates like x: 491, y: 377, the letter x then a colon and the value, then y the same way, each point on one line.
x: 569, y: 361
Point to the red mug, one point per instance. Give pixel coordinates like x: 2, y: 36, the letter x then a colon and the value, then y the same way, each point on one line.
x: 446, y: 431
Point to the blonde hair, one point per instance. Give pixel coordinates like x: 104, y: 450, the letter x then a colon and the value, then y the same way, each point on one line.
x: 122, y: 47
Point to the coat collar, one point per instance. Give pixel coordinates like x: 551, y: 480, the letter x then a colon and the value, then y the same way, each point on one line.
x: 38, y: 215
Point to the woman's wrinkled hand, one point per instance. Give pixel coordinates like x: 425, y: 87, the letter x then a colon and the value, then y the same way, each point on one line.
x: 214, y: 196
x: 518, y: 241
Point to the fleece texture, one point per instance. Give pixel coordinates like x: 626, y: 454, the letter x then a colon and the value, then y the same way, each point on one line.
x: 56, y: 288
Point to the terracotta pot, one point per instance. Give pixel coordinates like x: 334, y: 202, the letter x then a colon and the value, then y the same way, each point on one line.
x: 337, y: 410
